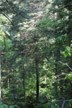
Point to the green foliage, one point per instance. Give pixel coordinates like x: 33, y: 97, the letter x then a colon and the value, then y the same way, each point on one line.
x: 2, y: 105
x: 67, y: 52
x: 61, y: 39
x: 46, y: 37
x: 69, y: 76
x: 70, y: 102
x: 50, y: 105
x: 45, y: 25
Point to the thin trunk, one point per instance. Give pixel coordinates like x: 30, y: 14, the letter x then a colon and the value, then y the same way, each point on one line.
x: 56, y: 83
x: 0, y: 73
x: 8, y: 80
x: 61, y: 87
x: 58, y: 69
x: 24, y: 83
x: 13, y: 86
x: 69, y: 43
x: 37, y: 79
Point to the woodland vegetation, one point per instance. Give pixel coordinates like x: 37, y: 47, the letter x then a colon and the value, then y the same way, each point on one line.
x: 35, y: 53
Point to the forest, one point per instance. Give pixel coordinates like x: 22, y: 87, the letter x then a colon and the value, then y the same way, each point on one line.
x: 35, y: 53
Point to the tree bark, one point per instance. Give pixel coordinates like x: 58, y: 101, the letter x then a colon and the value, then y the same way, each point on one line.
x: 23, y: 77
x: 37, y: 79
x: 24, y: 83
x: 0, y: 72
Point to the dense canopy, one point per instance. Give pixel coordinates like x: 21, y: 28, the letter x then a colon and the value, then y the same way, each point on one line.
x: 35, y: 53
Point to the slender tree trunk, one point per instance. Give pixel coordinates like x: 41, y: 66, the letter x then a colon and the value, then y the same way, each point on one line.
x: 8, y: 79
x: 69, y: 33
x: 56, y: 81
x: 0, y: 73
x: 24, y: 83
x: 23, y: 74
x: 37, y: 79
x: 58, y: 69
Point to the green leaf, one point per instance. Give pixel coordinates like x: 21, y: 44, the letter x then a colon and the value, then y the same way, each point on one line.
x: 68, y: 48
x: 69, y: 76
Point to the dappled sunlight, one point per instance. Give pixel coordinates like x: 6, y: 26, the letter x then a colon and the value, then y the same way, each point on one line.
x: 35, y: 54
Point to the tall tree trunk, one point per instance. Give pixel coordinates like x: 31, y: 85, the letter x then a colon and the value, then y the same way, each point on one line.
x: 8, y: 79
x: 0, y: 72
x: 37, y: 79
x: 23, y: 74
x: 24, y: 82
x: 58, y: 69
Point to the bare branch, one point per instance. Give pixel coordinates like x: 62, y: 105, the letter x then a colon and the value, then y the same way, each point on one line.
x: 65, y: 65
